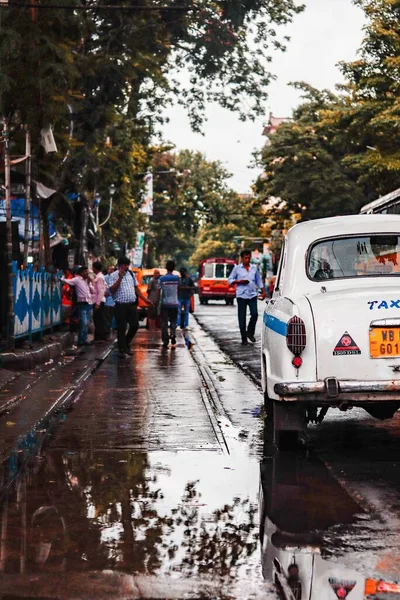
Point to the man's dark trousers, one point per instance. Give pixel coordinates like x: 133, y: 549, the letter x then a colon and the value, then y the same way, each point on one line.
x: 126, y: 314
x: 99, y: 319
x: 168, y: 315
x: 243, y: 303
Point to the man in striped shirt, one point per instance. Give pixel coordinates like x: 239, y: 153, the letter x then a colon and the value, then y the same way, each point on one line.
x: 125, y: 290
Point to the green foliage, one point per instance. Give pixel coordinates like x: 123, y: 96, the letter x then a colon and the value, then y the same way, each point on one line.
x: 189, y: 192
x: 371, y: 114
x: 303, y: 167
x: 222, y: 238
x: 342, y: 150
x: 114, y: 70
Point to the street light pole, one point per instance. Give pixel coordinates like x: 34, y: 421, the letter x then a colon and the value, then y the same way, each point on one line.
x: 112, y: 189
x: 7, y: 177
x: 27, y: 195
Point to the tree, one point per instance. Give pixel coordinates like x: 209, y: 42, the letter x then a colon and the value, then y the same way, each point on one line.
x: 108, y: 73
x: 303, y: 163
x: 342, y: 150
x: 370, y: 111
x: 243, y: 220
x: 189, y: 192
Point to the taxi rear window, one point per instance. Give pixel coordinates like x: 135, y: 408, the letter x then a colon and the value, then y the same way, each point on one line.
x: 356, y: 256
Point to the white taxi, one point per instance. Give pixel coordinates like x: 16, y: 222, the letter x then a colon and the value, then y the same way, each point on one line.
x: 331, y: 331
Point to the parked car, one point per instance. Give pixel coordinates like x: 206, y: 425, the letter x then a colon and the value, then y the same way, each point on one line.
x: 331, y: 331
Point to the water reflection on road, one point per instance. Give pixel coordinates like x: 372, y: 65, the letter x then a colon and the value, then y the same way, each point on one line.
x: 133, y: 480
x: 301, y: 503
x: 180, y: 514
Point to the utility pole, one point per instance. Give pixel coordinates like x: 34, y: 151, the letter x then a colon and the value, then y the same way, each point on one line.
x: 7, y: 176
x: 27, y: 194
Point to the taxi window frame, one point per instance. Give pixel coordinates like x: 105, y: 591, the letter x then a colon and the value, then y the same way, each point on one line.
x: 278, y: 280
x: 346, y: 237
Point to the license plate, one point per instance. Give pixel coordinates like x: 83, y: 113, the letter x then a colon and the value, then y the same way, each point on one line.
x: 384, y: 342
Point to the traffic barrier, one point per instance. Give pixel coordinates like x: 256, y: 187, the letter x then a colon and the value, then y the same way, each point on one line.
x: 37, y: 301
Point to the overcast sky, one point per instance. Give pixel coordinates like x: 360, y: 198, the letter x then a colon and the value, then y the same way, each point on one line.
x: 327, y: 32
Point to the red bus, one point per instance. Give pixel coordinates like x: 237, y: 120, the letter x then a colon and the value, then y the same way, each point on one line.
x: 213, y: 280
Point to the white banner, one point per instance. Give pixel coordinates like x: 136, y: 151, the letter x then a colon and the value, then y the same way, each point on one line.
x: 136, y: 254
x: 147, y: 206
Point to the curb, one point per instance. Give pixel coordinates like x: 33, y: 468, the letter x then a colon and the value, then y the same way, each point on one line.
x: 38, y: 431
x: 29, y: 360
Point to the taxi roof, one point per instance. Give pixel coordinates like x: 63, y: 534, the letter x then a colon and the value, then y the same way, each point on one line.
x: 308, y: 231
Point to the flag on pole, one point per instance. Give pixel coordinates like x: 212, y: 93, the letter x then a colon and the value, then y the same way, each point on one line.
x: 147, y: 206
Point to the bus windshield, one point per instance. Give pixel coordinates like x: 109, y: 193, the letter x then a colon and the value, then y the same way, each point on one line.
x: 217, y: 270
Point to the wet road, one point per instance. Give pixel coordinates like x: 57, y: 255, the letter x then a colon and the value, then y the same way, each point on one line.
x: 152, y: 476
x: 154, y: 485
x: 359, y: 454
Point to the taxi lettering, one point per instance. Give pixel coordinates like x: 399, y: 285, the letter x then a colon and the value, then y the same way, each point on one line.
x: 383, y: 304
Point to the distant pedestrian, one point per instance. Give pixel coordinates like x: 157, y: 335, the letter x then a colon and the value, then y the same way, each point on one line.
x: 169, y: 284
x: 247, y: 280
x: 153, y: 294
x: 84, y: 302
x: 99, y: 313
x: 125, y: 290
x: 109, y: 304
x: 185, y: 293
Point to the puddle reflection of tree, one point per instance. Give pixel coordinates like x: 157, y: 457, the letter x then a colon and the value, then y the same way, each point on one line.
x: 106, y: 510
x: 126, y: 501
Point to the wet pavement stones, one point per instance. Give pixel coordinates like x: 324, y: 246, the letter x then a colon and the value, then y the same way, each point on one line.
x: 28, y: 398
x: 150, y: 483
x: 221, y: 323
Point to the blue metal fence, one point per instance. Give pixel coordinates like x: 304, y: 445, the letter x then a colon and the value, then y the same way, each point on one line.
x: 37, y: 301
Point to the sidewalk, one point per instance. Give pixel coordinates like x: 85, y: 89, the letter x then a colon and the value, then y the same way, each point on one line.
x: 30, y: 354
x: 149, y: 473
x: 29, y: 398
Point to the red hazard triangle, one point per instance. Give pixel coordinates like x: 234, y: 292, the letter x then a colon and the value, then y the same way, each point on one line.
x: 341, y: 588
x: 346, y: 345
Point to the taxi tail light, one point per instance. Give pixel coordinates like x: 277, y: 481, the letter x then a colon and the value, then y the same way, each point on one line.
x: 296, y: 338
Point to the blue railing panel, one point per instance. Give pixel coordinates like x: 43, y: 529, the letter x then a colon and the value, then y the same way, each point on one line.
x: 37, y: 301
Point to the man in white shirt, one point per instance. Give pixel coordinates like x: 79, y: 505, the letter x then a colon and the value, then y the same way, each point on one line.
x: 99, y: 317
x: 247, y: 280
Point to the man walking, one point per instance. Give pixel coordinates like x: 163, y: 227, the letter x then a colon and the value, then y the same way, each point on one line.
x: 84, y: 302
x: 125, y: 290
x: 185, y: 292
x: 169, y: 284
x: 247, y: 280
x: 99, y: 317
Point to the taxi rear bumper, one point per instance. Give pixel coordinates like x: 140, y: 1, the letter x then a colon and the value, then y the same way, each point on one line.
x: 332, y: 389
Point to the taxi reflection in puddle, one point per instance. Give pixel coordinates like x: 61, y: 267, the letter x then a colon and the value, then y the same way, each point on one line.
x: 299, y: 501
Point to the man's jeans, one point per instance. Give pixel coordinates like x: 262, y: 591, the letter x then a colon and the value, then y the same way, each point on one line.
x: 242, y: 309
x: 85, y: 314
x: 168, y: 315
x: 186, y: 308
